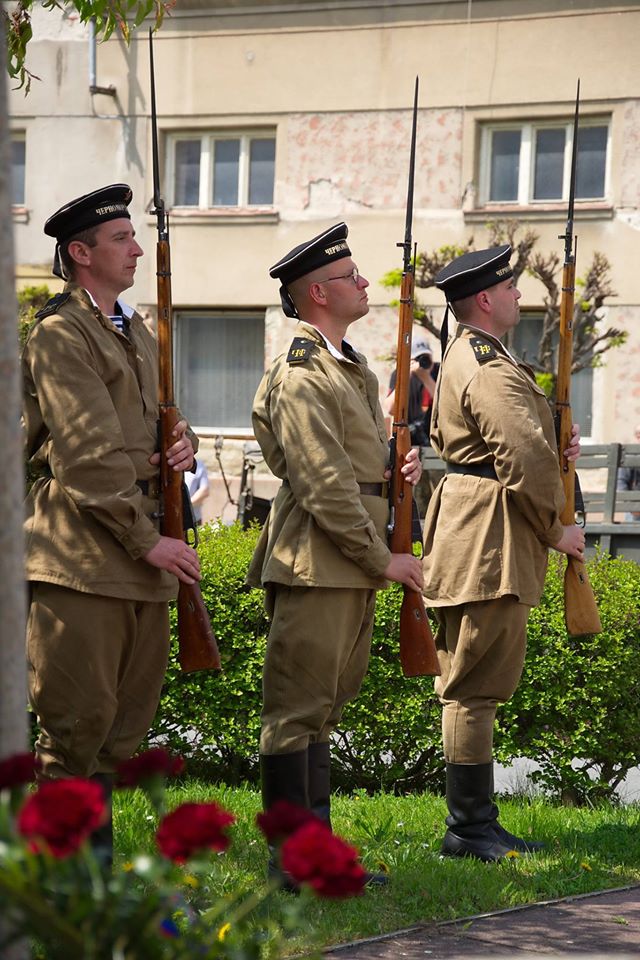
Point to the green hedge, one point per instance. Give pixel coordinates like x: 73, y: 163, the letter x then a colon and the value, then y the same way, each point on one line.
x: 578, y: 697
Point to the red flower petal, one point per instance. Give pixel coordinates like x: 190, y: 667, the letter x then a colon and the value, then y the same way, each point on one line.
x: 61, y: 815
x: 17, y: 770
x: 315, y: 856
x: 191, y: 827
x: 156, y: 762
x: 282, y: 819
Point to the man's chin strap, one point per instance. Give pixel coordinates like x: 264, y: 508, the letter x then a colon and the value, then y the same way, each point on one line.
x: 288, y: 305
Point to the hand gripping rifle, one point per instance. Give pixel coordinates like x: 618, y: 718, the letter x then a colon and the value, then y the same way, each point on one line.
x: 417, y: 648
x: 197, y: 644
x: 581, y: 612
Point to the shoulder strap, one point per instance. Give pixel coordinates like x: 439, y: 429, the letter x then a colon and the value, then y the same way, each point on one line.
x: 482, y: 350
x: 300, y: 350
x: 52, y: 305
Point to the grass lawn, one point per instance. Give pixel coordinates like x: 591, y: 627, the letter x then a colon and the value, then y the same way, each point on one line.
x: 587, y: 849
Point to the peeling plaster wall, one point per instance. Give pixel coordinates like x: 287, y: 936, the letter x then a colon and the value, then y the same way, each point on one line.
x: 630, y: 166
x: 341, y: 163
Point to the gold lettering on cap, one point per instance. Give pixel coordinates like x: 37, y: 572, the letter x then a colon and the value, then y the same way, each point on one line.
x: 336, y: 248
x: 110, y: 208
x: 502, y: 270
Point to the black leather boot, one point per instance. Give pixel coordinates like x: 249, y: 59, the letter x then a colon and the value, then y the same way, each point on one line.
x: 472, y: 814
x: 284, y: 776
x: 320, y: 796
x: 320, y: 781
x: 101, y: 840
x: 516, y: 843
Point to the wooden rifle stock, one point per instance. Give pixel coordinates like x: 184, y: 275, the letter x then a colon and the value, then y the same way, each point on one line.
x: 581, y: 612
x: 198, y: 649
x: 417, y: 647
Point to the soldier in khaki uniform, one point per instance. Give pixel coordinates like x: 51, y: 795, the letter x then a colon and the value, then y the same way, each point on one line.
x: 100, y: 573
x: 488, y: 529
x: 323, y: 552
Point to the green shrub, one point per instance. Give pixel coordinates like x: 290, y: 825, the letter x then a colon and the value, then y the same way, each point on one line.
x: 579, y: 696
x: 211, y: 717
x: 389, y: 737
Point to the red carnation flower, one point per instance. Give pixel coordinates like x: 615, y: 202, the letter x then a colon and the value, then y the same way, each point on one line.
x: 61, y: 815
x: 153, y: 763
x: 191, y: 827
x: 283, y: 819
x: 17, y: 770
x: 315, y: 856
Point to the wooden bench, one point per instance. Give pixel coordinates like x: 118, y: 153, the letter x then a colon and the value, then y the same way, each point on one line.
x: 606, y: 507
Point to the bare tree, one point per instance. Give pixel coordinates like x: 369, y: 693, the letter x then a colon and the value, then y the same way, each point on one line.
x: 590, y: 339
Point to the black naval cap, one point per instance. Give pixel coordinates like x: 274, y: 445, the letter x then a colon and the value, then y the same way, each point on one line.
x: 322, y: 250
x: 89, y: 210
x: 469, y: 274
x: 474, y: 271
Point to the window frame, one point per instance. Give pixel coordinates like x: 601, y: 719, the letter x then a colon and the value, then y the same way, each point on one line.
x: 212, y: 314
x: 207, y: 139
x: 19, y: 136
x: 583, y: 390
x: 526, y: 177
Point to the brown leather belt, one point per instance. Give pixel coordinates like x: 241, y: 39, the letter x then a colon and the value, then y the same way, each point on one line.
x: 374, y: 489
x: 150, y: 488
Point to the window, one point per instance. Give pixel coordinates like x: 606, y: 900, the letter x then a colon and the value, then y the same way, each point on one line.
x: 219, y: 364
x: 222, y: 170
x: 529, y: 162
x: 18, y: 152
x: 524, y: 341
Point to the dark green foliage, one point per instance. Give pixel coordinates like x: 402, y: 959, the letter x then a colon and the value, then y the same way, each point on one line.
x: 579, y: 696
x: 212, y: 718
x: 30, y: 300
x: 389, y: 737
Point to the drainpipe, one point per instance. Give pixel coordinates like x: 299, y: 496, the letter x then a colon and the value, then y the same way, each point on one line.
x: 109, y: 91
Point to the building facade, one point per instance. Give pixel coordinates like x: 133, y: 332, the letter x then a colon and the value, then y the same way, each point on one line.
x: 278, y: 119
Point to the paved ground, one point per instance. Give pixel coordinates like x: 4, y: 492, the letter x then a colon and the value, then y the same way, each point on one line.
x: 596, y: 926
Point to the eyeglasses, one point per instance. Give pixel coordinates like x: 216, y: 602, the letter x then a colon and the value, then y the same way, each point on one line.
x: 352, y: 275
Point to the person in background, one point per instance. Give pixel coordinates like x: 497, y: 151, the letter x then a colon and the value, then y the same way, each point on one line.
x: 629, y: 479
x: 422, y: 387
x: 198, y: 487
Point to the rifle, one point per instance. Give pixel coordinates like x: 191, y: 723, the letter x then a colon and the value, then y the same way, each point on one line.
x: 417, y: 648
x: 197, y: 644
x: 581, y: 612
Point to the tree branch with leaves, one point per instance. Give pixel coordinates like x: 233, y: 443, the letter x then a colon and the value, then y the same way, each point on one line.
x: 590, y: 340
x: 125, y: 15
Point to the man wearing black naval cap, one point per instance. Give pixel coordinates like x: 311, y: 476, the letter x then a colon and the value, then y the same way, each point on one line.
x: 323, y: 552
x: 488, y: 529
x: 100, y: 573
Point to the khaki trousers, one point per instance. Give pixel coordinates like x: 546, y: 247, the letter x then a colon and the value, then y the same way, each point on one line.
x: 96, y: 668
x: 481, y: 649
x: 317, y: 656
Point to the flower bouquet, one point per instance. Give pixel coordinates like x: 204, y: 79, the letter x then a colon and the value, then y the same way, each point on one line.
x: 57, y: 893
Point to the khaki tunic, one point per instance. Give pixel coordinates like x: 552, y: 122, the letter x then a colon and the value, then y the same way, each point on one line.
x: 484, y: 539
x: 90, y: 414
x: 321, y: 431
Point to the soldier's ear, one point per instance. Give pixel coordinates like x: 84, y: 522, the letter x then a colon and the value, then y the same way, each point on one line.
x: 317, y: 293
x: 483, y: 299
x: 79, y: 252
